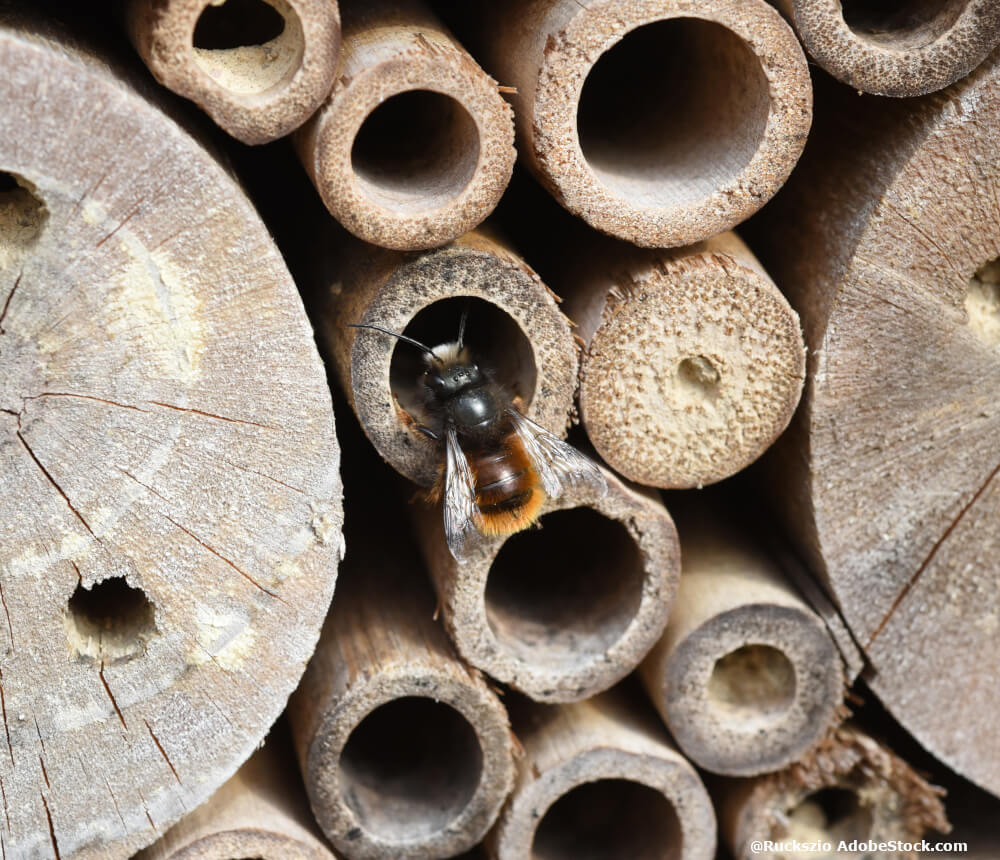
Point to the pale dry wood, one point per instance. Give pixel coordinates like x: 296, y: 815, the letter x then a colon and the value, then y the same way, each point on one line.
x: 566, y: 610
x: 415, y: 144
x: 746, y: 676
x: 600, y: 779
x: 896, y: 49
x: 405, y: 751
x: 662, y: 122
x: 849, y: 787
x: 693, y: 360
x: 170, y: 508
x: 885, y: 244
x: 515, y: 329
x: 255, y: 92
x: 261, y: 812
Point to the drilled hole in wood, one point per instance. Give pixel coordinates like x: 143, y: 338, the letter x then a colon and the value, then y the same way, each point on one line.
x: 409, y: 768
x: 22, y: 217
x: 495, y: 341
x: 830, y: 814
x: 111, y: 621
x: 906, y: 24
x: 418, y: 150
x: 609, y: 819
x: 675, y: 110
x: 248, y: 46
x: 982, y: 303
x: 562, y: 595
x: 752, y: 684
x: 699, y: 376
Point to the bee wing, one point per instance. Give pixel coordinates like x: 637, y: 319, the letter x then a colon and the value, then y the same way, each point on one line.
x: 461, y: 514
x: 558, y: 464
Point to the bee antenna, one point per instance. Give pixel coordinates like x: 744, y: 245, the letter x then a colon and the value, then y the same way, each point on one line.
x: 461, y: 326
x: 401, y: 337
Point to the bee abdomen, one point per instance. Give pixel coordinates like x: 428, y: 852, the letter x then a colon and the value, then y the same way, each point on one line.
x: 508, y: 493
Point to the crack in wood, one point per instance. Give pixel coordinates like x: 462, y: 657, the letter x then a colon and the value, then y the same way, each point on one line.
x: 6, y: 727
x: 114, y: 800
x: 45, y: 773
x: 163, y: 752
x: 111, y: 696
x: 6, y: 612
x: 127, y: 473
x: 212, y: 415
x: 52, y: 481
x: 6, y: 304
x: 52, y: 829
x: 121, y: 224
x: 6, y: 812
x: 145, y: 809
x: 85, y: 397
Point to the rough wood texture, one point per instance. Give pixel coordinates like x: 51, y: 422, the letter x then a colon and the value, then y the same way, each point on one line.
x: 208, y: 51
x: 514, y: 327
x: 406, y: 752
x: 886, y: 245
x: 569, y: 609
x: 693, y: 363
x: 261, y: 813
x: 896, y: 49
x: 600, y: 779
x: 170, y: 514
x: 849, y: 787
x: 746, y: 676
x: 662, y: 122
x: 415, y: 145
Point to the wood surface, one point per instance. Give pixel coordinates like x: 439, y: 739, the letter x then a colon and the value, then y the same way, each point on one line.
x: 208, y: 51
x: 170, y: 516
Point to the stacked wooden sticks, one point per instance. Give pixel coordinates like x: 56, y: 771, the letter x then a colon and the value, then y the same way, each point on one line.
x: 625, y: 681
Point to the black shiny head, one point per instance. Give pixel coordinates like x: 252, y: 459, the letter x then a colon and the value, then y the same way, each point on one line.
x: 451, y: 371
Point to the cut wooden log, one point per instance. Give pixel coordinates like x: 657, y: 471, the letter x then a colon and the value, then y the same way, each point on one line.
x: 693, y: 363
x: 600, y: 779
x: 261, y: 812
x: 415, y: 145
x: 170, y: 508
x: 886, y: 245
x: 896, y: 49
x: 259, y: 68
x: 567, y: 610
x: 514, y: 328
x: 849, y: 788
x: 746, y: 676
x: 662, y: 122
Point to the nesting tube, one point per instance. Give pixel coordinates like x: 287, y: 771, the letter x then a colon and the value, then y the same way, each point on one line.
x: 746, y: 676
x: 693, y: 363
x: 661, y: 122
x: 514, y: 329
x: 896, y: 49
x: 566, y: 610
x: 259, y: 68
x: 415, y: 145
x: 600, y: 779
x: 405, y: 751
x: 850, y: 787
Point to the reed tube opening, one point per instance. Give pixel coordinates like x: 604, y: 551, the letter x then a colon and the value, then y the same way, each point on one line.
x: 830, y: 814
x: 910, y: 25
x: 982, y: 303
x: 755, y: 683
x: 608, y: 819
x: 672, y: 112
x: 22, y: 216
x: 410, y: 768
x: 110, y: 621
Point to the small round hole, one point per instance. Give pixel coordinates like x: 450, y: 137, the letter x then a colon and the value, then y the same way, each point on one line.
x: 906, y: 24
x: 22, y: 216
x: 672, y: 112
x: 699, y: 376
x: 110, y: 621
x: 830, y: 814
x: 416, y: 151
x: 494, y: 339
x: 609, y: 819
x: 237, y: 24
x: 409, y: 768
x: 562, y: 595
x: 753, y: 684
x: 982, y: 303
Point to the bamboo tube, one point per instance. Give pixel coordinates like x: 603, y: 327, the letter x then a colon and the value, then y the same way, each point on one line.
x: 514, y: 328
x: 170, y: 508
x: 405, y: 751
x: 896, y: 49
x: 693, y: 363
x: 564, y: 611
x: 888, y: 478
x: 849, y: 788
x: 260, y: 812
x: 415, y: 145
x: 599, y: 779
x: 746, y: 676
x: 259, y: 68
x: 662, y: 122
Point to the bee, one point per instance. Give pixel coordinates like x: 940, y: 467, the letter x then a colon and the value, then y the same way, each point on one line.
x: 498, y: 465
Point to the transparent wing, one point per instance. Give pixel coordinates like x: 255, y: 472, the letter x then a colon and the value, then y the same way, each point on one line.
x: 461, y: 515
x: 559, y: 465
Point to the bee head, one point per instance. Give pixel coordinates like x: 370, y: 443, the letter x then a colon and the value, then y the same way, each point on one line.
x: 450, y: 369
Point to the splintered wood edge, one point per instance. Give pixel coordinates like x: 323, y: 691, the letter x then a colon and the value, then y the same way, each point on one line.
x: 256, y: 93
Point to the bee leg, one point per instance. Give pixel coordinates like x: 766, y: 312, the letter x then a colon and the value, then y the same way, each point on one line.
x: 518, y: 403
x: 430, y: 434
x: 412, y: 424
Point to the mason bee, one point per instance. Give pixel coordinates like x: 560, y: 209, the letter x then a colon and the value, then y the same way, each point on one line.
x: 498, y: 465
